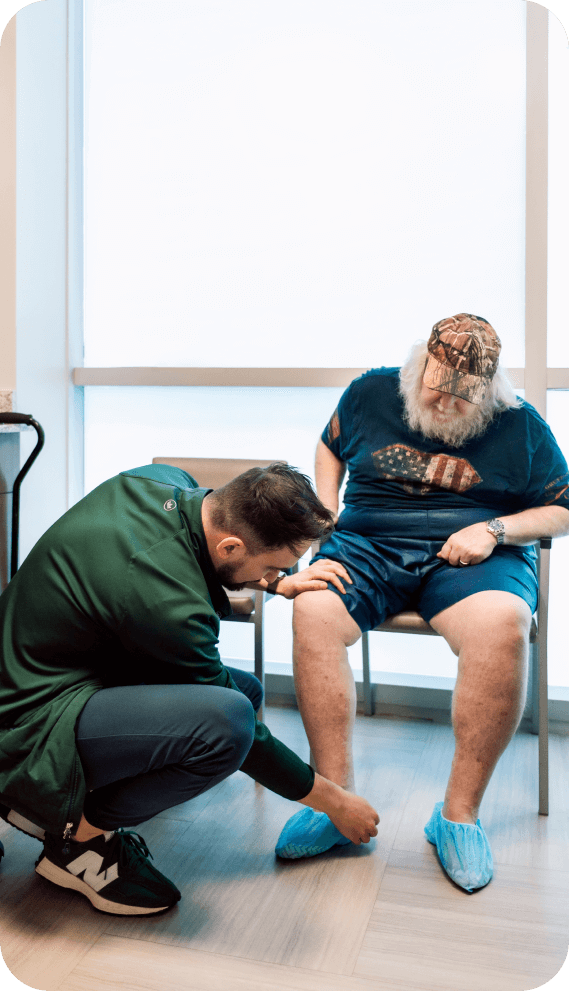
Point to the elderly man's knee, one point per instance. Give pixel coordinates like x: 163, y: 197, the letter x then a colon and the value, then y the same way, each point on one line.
x: 323, y: 614
x: 509, y: 621
x: 499, y: 620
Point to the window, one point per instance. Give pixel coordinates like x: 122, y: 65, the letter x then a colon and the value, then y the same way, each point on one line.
x: 300, y: 184
x: 293, y: 184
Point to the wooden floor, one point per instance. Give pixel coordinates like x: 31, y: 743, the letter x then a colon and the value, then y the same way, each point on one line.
x: 382, y: 916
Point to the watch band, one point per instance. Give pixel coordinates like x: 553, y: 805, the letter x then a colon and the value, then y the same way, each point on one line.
x: 497, y: 529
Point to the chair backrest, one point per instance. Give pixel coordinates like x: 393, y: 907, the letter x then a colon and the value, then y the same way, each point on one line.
x: 212, y: 473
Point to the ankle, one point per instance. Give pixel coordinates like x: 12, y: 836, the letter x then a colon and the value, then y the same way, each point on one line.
x: 85, y: 832
x: 459, y: 813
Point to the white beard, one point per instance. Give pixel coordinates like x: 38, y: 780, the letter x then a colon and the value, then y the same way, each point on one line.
x: 454, y: 429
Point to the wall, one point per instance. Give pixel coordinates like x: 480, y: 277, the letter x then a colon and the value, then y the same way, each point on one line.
x: 7, y: 214
x: 48, y: 257
x: 9, y: 442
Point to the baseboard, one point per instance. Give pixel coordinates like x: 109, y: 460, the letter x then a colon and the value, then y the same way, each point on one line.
x: 404, y: 696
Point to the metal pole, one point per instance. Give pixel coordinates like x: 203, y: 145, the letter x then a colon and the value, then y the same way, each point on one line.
x: 27, y: 420
x: 543, y: 744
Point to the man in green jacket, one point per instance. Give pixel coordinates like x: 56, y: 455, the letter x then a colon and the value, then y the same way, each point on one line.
x: 114, y: 703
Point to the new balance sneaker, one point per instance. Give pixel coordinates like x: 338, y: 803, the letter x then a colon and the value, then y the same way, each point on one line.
x: 21, y: 823
x: 112, y: 870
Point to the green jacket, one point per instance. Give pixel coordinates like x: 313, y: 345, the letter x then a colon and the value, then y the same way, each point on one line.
x: 119, y: 591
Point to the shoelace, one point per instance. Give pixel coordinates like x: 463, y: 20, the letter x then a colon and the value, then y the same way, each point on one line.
x: 131, y: 849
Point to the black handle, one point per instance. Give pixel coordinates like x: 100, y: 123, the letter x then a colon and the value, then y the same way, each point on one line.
x: 28, y: 420
x: 17, y: 418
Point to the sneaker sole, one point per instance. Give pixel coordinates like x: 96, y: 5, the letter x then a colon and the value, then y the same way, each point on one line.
x: 58, y: 875
x: 24, y: 825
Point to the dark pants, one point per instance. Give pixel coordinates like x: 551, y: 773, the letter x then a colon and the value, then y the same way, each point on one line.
x: 145, y: 748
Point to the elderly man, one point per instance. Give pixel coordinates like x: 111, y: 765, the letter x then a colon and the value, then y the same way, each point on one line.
x: 451, y: 479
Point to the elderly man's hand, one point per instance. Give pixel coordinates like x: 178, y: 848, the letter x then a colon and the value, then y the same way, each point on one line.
x: 314, y: 578
x: 471, y: 545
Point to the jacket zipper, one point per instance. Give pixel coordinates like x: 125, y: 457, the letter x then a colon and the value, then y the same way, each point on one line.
x: 69, y: 825
x: 67, y: 836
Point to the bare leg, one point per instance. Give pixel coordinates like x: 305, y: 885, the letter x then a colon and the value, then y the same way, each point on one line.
x: 325, y: 690
x: 489, y: 632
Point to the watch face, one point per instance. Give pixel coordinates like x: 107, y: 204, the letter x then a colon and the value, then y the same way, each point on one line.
x: 496, y: 527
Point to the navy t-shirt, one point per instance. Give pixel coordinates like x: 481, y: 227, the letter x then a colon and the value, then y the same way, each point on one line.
x: 516, y: 464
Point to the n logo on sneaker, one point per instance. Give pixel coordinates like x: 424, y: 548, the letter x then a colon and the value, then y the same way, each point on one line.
x: 91, y: 863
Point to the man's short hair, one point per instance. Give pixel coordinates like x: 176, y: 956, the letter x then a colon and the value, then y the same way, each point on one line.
x: 271, y: 507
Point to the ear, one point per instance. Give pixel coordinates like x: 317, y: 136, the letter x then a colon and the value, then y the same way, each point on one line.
x: 230, y: 548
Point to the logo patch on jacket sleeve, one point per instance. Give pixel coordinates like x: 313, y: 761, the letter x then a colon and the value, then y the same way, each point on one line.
x: 170, y: 504
x: 420, y: 473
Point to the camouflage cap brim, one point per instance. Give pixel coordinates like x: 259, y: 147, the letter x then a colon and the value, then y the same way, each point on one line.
x: 445, y: 378
x: 463, y: 356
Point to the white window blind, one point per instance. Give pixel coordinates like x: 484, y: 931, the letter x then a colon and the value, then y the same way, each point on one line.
x: 558, y: 196
x: 300, y: 183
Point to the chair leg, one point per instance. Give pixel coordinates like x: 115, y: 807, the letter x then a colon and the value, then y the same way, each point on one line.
x: 539, y: 724
x: 534, y: 687
x: 542, y: 678
x: 543, y: 742
x: 260, y: 646
x: 369, y: 706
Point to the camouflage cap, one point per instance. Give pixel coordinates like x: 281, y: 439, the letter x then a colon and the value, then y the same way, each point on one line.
x: 463, y: 356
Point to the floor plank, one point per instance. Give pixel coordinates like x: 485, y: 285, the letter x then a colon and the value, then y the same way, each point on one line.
x: 509, y: 812
x: 45, y: 930
x: 118, y: 964
x: 240, y: 900
x: 510, y: 936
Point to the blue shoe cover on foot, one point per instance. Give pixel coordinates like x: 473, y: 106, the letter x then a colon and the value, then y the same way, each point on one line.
x: 463, y: 849
x: 308, y: 833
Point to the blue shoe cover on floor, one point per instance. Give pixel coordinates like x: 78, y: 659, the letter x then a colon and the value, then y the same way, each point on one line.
x: 308, y: 833
x: 463, y: 849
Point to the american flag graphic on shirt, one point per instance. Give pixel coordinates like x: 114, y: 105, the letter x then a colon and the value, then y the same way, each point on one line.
x: 333, y: 427
x: 558, y: 491
x: 420, y: 473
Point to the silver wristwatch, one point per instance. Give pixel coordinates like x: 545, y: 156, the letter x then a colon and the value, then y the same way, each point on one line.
x: 497, y: 529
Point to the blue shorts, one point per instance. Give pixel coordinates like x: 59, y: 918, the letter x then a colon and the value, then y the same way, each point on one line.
x: 390, y: 574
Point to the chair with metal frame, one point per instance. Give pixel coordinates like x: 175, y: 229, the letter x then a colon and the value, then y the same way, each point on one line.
x: 411, y: 622
x: 248, y: 605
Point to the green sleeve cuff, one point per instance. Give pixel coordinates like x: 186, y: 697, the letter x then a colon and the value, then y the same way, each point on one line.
x: 279, y: 769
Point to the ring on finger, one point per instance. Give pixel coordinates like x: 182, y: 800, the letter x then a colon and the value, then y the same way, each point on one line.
x: 463, y: 564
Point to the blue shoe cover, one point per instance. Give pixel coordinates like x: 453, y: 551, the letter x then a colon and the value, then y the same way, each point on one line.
x: 463, y: 849
x: 308, y: 833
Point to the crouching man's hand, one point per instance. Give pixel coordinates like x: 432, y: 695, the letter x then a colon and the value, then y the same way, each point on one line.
x: 313, y: 579
x: 471, y: 545
x: 350, y: 813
